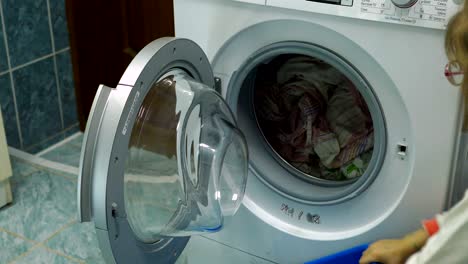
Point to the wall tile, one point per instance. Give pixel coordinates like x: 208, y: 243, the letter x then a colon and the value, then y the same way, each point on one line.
x: 27, y: 28
x: 67, y: 88
x: 3, y: 58
x: 38, y: 147
x: 37, y: 100
x: 59, y: 23
x: 71, y: 130
x: 8, y: 111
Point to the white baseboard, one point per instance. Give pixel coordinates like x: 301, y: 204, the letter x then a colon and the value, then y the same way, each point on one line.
x: 41, y: 161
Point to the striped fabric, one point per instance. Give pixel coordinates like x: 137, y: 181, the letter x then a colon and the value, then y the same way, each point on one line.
x: 315, y: 119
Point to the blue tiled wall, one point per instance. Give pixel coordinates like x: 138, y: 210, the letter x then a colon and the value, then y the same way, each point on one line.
x: 37, y: 94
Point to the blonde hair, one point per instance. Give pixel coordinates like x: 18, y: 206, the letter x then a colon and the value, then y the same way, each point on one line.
x: 456, y: 39
x: 456, y: 48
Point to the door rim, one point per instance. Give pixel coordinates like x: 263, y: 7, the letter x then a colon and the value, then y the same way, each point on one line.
x: 115, y: 236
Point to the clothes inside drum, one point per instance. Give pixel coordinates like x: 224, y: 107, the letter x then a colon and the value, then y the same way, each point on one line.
x: 313, y: 117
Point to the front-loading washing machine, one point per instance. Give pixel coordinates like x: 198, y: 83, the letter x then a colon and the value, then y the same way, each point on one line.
x: 273, y: 131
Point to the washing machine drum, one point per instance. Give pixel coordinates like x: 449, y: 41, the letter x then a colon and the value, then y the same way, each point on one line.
x: 163, y: 158
x: 313, y: 118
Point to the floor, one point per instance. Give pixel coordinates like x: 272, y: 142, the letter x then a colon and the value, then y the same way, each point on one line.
x: 65, y: 152
x: 40, y: 226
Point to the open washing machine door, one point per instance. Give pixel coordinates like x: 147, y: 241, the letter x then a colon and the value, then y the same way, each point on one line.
x: 162, y: 157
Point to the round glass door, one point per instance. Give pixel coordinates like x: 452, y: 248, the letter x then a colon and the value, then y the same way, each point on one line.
x: 187, y: 162
x: 162, y: 158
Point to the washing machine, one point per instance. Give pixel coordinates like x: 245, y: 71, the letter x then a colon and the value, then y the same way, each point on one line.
x: 211, y: 148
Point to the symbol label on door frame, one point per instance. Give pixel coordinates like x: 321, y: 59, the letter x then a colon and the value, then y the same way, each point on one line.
x: 132, y: 110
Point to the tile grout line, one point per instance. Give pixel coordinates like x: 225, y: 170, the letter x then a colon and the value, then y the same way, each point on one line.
x: 12, y: 69
x: 67, y: 225
x: 18, y: 236
x: 12, y: 83
x: 31, y: 62
x: 59, y: 93
x: 61, y: 133
x: 34, y: 61
x: 62, y: 50
x: 58, y: 144
x: 56, y: 252
x: 28, y: 148
x: 24, y: 254
x: 57, y: 82
x: 42, y: 244
x: 35, y: 244
x: 56, y: 232
x: 52, y: 40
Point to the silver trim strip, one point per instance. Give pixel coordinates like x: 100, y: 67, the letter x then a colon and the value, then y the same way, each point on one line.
x: 87, y: 153
x: 105, y: 246
x: 104, y: 143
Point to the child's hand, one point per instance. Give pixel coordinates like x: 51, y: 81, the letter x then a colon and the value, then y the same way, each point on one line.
x: 392, y: 251
x: 395, y: 251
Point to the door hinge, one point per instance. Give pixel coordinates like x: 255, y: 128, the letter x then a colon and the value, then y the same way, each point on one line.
x: 117, y: 217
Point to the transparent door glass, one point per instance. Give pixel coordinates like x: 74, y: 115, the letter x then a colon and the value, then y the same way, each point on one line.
x: 187, y: 162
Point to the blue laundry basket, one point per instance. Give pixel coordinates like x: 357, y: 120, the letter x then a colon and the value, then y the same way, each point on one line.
x: 348, y: 256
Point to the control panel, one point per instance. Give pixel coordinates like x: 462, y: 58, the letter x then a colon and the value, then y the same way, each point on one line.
x: 423, y: 13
